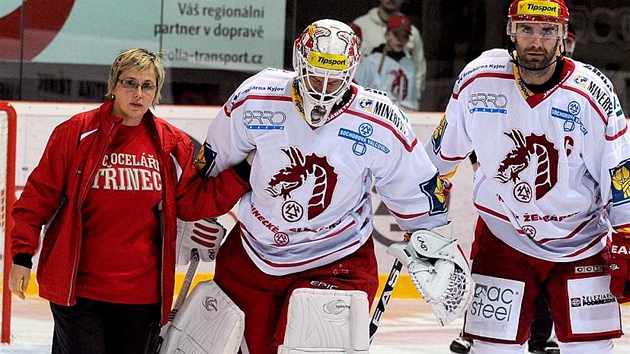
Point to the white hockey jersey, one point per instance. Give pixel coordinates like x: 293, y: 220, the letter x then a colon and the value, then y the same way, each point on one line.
x: 552, y: 166
x: 310, y: 203
x: 396, y: 78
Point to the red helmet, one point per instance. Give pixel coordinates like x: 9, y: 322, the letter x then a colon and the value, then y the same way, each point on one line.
x: 554, y: 11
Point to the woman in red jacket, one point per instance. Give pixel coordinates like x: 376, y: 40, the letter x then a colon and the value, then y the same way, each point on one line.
x: 108, y: 189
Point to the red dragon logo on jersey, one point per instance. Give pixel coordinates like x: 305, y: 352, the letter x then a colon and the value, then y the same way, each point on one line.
x: 399, y: 84
x: 293, y: 176
x: 518, y: 159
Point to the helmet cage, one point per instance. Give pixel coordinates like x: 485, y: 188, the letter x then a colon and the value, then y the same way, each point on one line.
x: 319, y: 96
x: 327, y: 50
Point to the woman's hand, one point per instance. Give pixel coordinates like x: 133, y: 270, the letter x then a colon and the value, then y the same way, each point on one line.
x: 18, y: 280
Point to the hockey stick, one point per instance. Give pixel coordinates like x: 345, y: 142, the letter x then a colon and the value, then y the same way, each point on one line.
x: 384, y: 299
x: 386, y: 294
x: 183, y: 292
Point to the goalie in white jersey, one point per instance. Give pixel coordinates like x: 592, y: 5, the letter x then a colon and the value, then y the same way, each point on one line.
x: 554, y: 172
x: 321, y: 144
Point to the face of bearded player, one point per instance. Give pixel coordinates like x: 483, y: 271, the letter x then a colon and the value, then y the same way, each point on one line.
x: 537, y: 43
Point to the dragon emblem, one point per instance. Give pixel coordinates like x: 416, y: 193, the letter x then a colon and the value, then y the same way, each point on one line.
x: 292, y: 177
x: 518, y: 159
x: 399, y: 84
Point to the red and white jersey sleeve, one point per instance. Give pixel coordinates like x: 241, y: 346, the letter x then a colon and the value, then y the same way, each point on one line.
x: 310, y: 202
x: 553, y: 166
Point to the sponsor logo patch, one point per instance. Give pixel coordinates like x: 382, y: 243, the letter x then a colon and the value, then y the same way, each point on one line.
x: 620, y: 183
x: 361, y: 139
x: 438, y: 135
x: 541, y: 8
x: 487, y: 103
x: 598, y: 268
x: 366, y: 104
x: 392, y: 114
x: 205, y: 160
x: 434, y: 190
x: 495, y: 308
x: 602, y: 97
x: 570, y: 117
x: 328, y: 61
x: 593, y: 309
x: 264, y: 120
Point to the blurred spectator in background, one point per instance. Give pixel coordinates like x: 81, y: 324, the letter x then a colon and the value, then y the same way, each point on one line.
x: 371, y: 28
x: 389, y: 68
x: 569, y: 42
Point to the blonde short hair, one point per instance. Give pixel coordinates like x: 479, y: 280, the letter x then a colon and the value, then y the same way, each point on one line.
x: 141, y: 60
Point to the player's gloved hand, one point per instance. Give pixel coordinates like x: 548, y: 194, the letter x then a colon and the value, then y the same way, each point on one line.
x: 439, y: 271
x: 619, y: 266
x: 205, y: 235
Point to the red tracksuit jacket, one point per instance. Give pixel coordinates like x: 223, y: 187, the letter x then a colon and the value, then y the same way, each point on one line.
x: 57, y: 187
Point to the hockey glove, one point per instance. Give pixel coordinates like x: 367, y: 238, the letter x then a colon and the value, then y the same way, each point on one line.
x: 439, y: 271
x: 205, y: 235
x: 619, y: 266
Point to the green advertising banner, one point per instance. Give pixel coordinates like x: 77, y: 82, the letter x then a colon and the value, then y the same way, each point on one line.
x: 206, y: 34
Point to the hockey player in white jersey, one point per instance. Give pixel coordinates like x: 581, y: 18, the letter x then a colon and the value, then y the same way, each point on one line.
x: 300, y: 263
x: 554, y: 176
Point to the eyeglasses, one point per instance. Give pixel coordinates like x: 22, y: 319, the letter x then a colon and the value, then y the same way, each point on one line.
x: 132, y: 85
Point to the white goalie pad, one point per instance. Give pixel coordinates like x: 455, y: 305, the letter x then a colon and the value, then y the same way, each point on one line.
x: 326, y: 321
x: 439, y: 271
x: 207, y: 323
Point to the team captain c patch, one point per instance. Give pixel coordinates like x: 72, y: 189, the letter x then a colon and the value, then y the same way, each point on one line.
x: 620, y: 183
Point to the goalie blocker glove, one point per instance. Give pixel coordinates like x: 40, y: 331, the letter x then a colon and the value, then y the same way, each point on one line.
x: 619, y: 266
x: 439, y: 271
x: 205, y: 235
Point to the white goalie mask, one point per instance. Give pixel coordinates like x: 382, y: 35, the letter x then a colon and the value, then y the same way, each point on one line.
x: 325, y: 57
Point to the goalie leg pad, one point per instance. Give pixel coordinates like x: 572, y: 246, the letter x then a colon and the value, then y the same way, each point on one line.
x: 483, y: 347
x: 326, y: 321
x: 604, y: 346
x: 208, y: 322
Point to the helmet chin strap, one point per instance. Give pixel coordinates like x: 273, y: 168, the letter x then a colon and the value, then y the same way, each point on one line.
x: 516, y: 61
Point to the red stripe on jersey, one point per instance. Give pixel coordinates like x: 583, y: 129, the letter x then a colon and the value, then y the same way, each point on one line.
x: 572, y: 233
x: 407, y: 216
x: 593, y: 243
x: 408, y: 147
x: 621, y: 133
x: 455, y: 158
x: 350, y: 224
x: 590, y: 101
x: 474, y: 77
x: 491, y: 212
x: 254, y: 97
x: 287, y: 265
